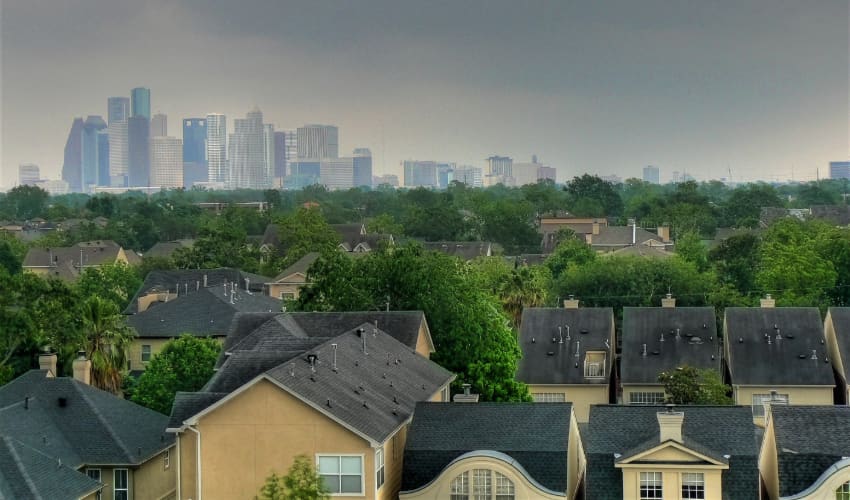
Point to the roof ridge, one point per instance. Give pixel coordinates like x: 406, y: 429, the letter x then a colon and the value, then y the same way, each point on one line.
x: 20, y: 466
x: 110, y: 431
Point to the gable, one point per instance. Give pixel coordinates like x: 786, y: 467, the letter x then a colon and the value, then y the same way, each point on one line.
x: 293, y: 278
x: 669, y: 452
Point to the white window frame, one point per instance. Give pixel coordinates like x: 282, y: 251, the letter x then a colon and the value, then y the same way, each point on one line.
x: 594, y: 364
x: 460, y: 482
x: 149, y: 353
x: 759, y: 400
x: 99, y: 477
x: 445, y: 394
x: 380, y: 477
x: 115, y: 488
x: 503, y: 487
x: 843, y: 491
x: 362, y: 458
x: 693, y: 486
x: 548, y: 397
x: 646, y: 398
x: 166, y: 459
x: 654, y: 481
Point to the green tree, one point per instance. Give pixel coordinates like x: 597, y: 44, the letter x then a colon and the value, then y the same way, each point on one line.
x: 687, y: 385
x: 116, y: 282
x: 689, y: 247
x: 524, y: 287
x: 106, y: 342
x: 744, y: 205
x: 184, y: 364
x: 10, y: 260
x: 302, y: 232
x: 302, y: 482
x: 590, y: 196
x: 569, y: 252
x: 736, y: 260
x: 26, y: 202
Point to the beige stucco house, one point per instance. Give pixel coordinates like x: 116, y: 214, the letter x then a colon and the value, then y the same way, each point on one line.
x: 288, y: 284
x: 837, y: 332
x: 67, y: 263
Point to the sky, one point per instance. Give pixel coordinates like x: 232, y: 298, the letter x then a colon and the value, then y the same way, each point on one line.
x: 758, y: 88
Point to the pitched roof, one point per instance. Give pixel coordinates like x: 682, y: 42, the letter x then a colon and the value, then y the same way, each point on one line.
x: 441, y: 432
x: 610, y: 236
x: 466, y: 250
x: 809, y: 439
x: 718, y: 430
x: 28, y: 473
x: 93, y: 427
x: 841, y: 322
x: 643, y: 251
x: 167, y: 248
x: 545, y: 360
x: 696, y: 343
x: 203, y: 312
x: 93, y: 253
x: 300, y: 266
x: 755, y: 356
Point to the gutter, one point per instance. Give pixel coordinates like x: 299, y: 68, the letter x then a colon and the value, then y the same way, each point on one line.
x: 197, y: 458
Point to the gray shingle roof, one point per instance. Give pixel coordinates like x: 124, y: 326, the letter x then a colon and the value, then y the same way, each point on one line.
x: 697, y: 344
x: 809, y: 439
x: 28, y: 473
x: 466, y: 250
x: 166, y: 249
x: 752, y: 361
x: 589, y: 328
x: 534, y: 434
x: 841, y: 323
x: 721, y: 430
x: 622, y: 236
x: 300, y: 266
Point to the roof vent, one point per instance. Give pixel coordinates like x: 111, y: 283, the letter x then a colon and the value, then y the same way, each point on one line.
x: 695, y: 340
x: 467, y: 396
x: 768, y: 301
x: 814, y: 354
x: 560, y: 335
x: 643, y: 352
x: 668, y: 301
x: 334, y: 361
x: 571, y: 303
x: 568, y: 331
x: 311, y: 358
x: 62, y: 402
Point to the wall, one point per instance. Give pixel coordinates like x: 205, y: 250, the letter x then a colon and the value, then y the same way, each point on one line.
x: 743, y: 395
x: 629, y: 389
x: 671, y: 481
x: 581, y: 396
x: 835, y: 353
x: 576, y: 462
x: 768, y: 466
x: 156, y: 346
x: 153, y: 480
x: 289, y: 284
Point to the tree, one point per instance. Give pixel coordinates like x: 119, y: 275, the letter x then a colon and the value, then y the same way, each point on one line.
x: 736, y: 260
x: 184, y: 364
x: 744, y: 205
x: 593, y: 197
x: 107, y: 339
x: 569, y: 252
x: 302, y: 232
x: 524, y: 287
x: 26, y: 202
x: 689, y: 247
x: 116, y: 282
x: 302, y: 482
x: 687, y: 385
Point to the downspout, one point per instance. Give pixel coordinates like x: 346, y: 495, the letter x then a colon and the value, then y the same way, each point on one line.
x: 197, y: 458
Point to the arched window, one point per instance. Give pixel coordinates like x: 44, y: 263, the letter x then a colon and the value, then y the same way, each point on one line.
x: 504, y: 488
x: 482, y: 484
x: 843, y: 492
x: 460, y: 487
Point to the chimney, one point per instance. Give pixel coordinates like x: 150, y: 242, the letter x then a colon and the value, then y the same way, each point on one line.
x: 774, y: 400
x: 47, y: 361
x: 670, y: 425
x: 467, y: 396
x: 571, y: 303
x: 768, y: 301
x: 82, y: 368
x: 668, y: 301
x: 595, y: 227
x: 664, y: 233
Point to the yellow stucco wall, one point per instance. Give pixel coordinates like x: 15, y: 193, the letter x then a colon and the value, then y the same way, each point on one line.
x: 289, y: 284
x: 672, y: 481
x: 581, y: 396
x: 768, y: 466
x: 153, y: 480
x: 835, y: 354
x: 576, y: 462
x: 156, y: 346
x: 743, y: 395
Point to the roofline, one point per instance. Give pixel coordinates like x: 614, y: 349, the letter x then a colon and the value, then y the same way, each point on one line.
x: 832, y: 470
x: 626, y: 461
x: 406, y: 422
x: 818, y: 386
x: 130, y: 464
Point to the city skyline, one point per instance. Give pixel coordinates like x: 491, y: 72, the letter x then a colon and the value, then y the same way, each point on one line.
x: 755, y: 88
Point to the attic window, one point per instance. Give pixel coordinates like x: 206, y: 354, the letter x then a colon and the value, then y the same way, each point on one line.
x: 594, y: 365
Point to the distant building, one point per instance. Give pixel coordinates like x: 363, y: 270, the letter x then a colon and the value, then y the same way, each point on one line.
x: 337, y: 173
x: 420, y: 174
x: 194, y: 151
x: 386, y: 179
x: 28, y: 174
x: 499, y: 171
x: 279, y: 157
x: 269, y: 153
x: 839, y: 170
x: 54, y: 187
x: 545, y: 173
x: 140, y: 102
x: 246, y: 158
x: 159, y: 125
x: 362, y: 167
x: 118, y: 152
x: 117, y: 109
x: 90, y: 150
x: 471, y: 176
x: 303, y: 172
x: 103, y: 177
x: 318, y: 141
x: 217, y: 148
x: 72, y: 167
x: 166, y: 162
x: 651, y: 175
x: 138, y: 151
x: 532, y: 172
x: 445, y: 174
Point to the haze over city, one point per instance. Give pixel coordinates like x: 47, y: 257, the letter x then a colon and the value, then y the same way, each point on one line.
x: 758, y: 88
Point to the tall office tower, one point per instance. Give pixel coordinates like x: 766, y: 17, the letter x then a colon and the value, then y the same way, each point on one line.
x: 217, y: 148
x: 103, y: 178
x: 420, y: 173
x: 545, y: 173
x: 117, y: 109
x: 138, y: 151
x: 839, y: 170
x: 166, y: 162
x: 445, y: 174
x: 499, y: 171
x: 269, y: 152
x: 302, y: 173
x: 246, y: 159
x: 159, y: 125
x: 471, y: 176
x: 318, y: 141
x: 91, y: 127
x: 118, y: 160
x: 362, y: 167
x: 72, y: 167
x: 651, y: 175
x: 279, y: 158
x: 291, y: 141
x: 337, y: 173
x: 194, y: 151
x: 28, y: 174
x: 526, y: 173
x: 140, y: 102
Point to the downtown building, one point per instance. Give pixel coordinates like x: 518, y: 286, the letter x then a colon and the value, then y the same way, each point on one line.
x: 86, y: 151
x: 499, y: 171
x: 138, y: 138
x: 159, y: 125
x: 532, y: 173
x: 247, y: 154
x: 318, y: 141
x: 362, y: 167
x: 195, y: 168
x: 469, y: 175
x: 839, y: 170
x: 118, y: 111
x: 651, y: 175
x: 166, y: 162
x: 420, y: 174
x: 216, y: 128
x: 28, y: 174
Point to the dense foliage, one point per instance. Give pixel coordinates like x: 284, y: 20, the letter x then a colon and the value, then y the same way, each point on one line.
x: 301, y: 482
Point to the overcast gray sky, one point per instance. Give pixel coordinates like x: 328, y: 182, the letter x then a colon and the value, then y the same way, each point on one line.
x: 756, y: 86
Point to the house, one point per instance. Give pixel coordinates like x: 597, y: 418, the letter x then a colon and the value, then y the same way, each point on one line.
x: 521, y: 451
x: 612, y: 238
x: 660, y: 339
x: 67, y: 263
x: 167, y: 249
x: 465, y: 250
x: 345, y: 402
x: 652, y: 252
x: 581, y: 226
x: 568, y: 355
x: 288, y: 284
x: 778, y: 349
x: 675, y: 452
x: 61, y: 438
x: 837, y: 331
x: 353, y: 238
x: 806, y: 453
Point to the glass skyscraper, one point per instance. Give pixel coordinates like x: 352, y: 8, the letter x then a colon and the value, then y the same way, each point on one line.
x: 117, y: 109
x: 138, y: 151
x: 362, y: 167
x: 140, y: 98
x: 216, y: 148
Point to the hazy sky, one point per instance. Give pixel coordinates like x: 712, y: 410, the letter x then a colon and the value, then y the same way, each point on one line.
x: 758, y: 87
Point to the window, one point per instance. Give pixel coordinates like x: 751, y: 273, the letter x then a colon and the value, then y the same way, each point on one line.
x: 843, y: 492
x: 166, y: 459
x: 504, y: 488
x: 548, y: 397
x: 650, y: 486
x: 760, y: 399
x: 146, y: 353
x: 482, y: 486
x: 445, y: 395
x: 693, y: 485
x: 120, y: 485
x: 342, y: 473
x: 646, y: 398
x: 379, y: 467
x: 94, y: 474
x: 594, y: 365
x: 460, y: 487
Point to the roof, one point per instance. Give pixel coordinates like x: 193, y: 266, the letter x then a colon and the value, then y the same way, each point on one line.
x: 841, y: 323
x: 642, y: 251
x: 93, y: 427
x: 466, y: 250
x: 92, y: 253
x: 27, y: 473
x: 371, y: 393
x: 202, y: 312
x: 711, y: 430
x: 696, y: 343
x: 167, y: 248
x: 300, y: 266
x: 622, y: 236
x: 442, y: 432
x: 809, y: 439
x: 545, y: 360
x: 755, y: 356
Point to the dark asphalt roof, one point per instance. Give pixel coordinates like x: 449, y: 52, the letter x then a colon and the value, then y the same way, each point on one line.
x: 28, y: 473
x: 535, y: 435
x: 809, y: 439
x: 788, y: 361
x: 697, y: 344
x: 622, y: 236
x: 300, y: 266
x: 466, y: 250
x: 539, y: 336
x: 841, y: 323
x: 720, y: 430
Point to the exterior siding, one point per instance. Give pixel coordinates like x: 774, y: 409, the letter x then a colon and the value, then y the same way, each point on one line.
x: 581, y: 396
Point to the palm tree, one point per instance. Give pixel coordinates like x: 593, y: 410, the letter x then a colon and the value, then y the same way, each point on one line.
x: 106, y: 342
x: 522, y: 288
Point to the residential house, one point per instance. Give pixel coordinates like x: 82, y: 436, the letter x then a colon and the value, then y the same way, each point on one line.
x: 568, y: 355
x: 464, y: 250
x: 778, y: 349
x: 648, y: 452
x: 661, y: 339
x: 288, y: 284
x: 581, y: 226
x: 837, y: 331
x: 167, y: 249
x: 61, y: 438
x: 345, y: 403
x: 353, y: 238
x: 521, y: 451
x: 612, y: 238
x: 67, y: 263
x: 652, y: 252
x: 806, y: 453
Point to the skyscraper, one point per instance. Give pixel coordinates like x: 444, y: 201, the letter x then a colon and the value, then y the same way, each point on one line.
x: 117, y: 109
x: 420, y: 174
x: 839, y: 170
x: 246, y: 153
x: 362, y: 167
x: 138, y: 151
x: 337, y: 173
x: 445, y: 174
x: 90, y: 150
x: 140, y: 100
x: 28, y: 174
x: 499, y: 171
x: 72, y: 167
x: 194, y: 151
x: 103, y: 178
x: 159, y: 125
x: 279, y: 157
x: 217, y: 148
x: 471, y: 176
x: 269, y: 152
x: 318, y: 141
x: 166, y: 162
x: 118, y: 159
x: 651, y: 175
